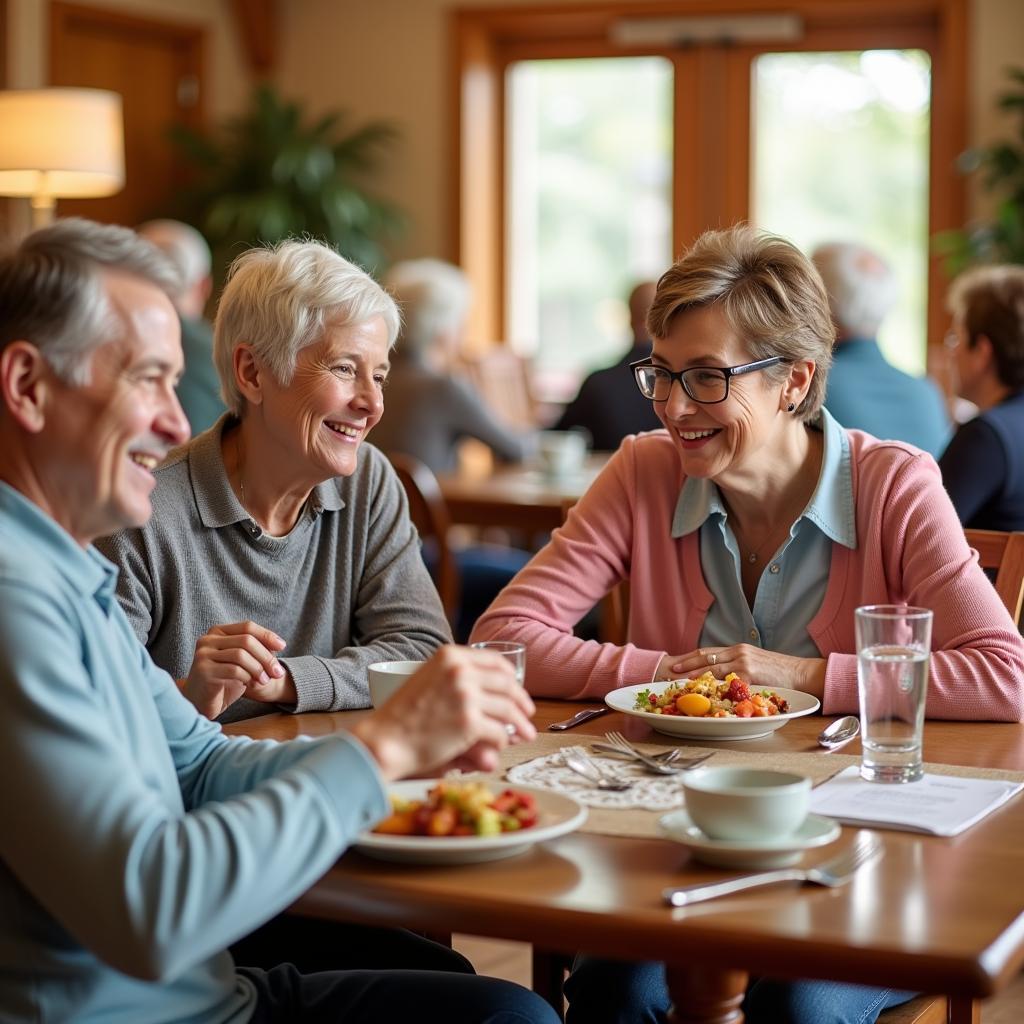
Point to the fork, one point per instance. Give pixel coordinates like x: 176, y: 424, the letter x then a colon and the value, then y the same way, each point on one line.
x: 623, y: 746
x: 578, y: 761
x: 832, y: 874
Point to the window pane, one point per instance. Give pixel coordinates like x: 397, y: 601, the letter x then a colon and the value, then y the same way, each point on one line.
x: 841, y: 154
x: 589, y: 205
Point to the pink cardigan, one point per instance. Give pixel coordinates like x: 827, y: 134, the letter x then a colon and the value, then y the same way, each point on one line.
x: 910, y: 548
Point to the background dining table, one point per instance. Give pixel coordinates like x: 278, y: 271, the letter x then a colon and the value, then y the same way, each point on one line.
x: 516, y: 496
x: 942, y: 915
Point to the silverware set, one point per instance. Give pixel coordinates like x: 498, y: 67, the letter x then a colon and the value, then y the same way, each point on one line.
x: 671, y: 762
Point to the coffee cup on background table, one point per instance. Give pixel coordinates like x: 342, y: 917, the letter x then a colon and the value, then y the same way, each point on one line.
x: 561, y: 452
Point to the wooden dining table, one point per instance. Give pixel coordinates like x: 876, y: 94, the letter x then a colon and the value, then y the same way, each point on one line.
x: 516, y: 496
x: 940, y: 915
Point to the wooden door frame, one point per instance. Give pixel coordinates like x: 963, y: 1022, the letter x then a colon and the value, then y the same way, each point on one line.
x: 191, y: 36
x: 485, y: 41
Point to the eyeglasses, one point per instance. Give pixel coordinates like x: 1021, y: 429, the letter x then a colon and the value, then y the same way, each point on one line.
x: 705, y: 384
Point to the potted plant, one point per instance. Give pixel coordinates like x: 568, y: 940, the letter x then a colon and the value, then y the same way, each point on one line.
x: 1002, y: 163
x: 270, y: 174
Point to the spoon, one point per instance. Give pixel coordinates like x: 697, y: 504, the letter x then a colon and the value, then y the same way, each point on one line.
x: 840, y: 732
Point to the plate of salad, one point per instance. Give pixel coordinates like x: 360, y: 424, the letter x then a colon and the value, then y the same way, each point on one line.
x: 466, y: 820
x: 708, y: 708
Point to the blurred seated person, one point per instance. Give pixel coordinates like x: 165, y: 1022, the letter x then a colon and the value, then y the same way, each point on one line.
x: 280, y: 560
x: 141, y: 840
x: 199, y: 387
x: 601, y: 407
x: 430, y: 407
x: 983, y: 467
x: 865, y: 391
x: 749, y: 531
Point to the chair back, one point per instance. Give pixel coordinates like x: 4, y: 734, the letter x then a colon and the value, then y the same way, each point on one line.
x: 1003, y: 552
x: 502, y: 379
x: 429, y: 514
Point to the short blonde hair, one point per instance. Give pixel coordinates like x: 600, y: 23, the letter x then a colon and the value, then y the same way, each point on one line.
x: 280, y: 299
x: 770, y: 293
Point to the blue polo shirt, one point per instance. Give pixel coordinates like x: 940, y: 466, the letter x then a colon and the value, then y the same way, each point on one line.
x: 138, y: 839
x: 793, y: 584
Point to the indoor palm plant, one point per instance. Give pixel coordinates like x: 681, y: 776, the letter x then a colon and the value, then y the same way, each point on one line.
x: 271, y: 173
x: 1002, y: 164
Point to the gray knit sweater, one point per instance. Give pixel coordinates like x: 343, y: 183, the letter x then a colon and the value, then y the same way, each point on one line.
x: 347, y: 587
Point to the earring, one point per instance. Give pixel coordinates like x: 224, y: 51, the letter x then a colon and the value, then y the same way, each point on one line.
x: 791, y: 407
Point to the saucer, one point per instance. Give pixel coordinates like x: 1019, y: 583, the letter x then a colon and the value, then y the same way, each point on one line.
x: 734, y: 853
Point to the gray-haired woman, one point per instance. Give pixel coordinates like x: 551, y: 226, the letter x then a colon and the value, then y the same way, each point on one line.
x: 280, y: 561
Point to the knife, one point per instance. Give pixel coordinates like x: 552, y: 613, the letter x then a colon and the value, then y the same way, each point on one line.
x: 578, y: 719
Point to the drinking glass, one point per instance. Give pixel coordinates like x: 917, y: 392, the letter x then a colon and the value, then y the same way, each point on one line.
x: 516, y: 653
x: 893, y: 649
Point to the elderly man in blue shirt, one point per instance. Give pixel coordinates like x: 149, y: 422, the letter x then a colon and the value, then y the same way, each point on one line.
x: 139, y: 841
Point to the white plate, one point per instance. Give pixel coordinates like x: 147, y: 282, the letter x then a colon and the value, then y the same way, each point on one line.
x: 558, y: 814
x: 732, y: 853
x: 800, y: 703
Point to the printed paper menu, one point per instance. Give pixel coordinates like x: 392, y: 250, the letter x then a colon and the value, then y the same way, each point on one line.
x: 942, y: 805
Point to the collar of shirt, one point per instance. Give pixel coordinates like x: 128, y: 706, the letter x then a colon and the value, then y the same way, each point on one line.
x: 214, y: 496
x: 84, y: 569
x: 830, y: 509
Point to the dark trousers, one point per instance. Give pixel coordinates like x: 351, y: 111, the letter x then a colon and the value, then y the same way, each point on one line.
x: 312, y: 945
x: 379, y: 997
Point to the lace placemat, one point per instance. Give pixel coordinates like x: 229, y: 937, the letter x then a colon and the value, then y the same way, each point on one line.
x: 539, y: 763
x: 650, y: 792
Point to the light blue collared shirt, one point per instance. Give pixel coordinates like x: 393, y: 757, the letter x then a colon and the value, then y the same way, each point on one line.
x: 792, y: 586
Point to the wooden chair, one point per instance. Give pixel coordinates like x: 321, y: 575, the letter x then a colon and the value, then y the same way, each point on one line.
x: 429, y: 514
x: 502, y: 379
x: 1003, y: 552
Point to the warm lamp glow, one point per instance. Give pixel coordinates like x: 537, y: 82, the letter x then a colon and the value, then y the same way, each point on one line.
x: 60, y: 144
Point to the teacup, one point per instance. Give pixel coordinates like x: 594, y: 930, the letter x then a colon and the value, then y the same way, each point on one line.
x: 561, y: 452
x: 385, y: 677
x: 746, y: 804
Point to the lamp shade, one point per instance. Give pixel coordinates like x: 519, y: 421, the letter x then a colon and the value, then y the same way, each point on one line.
x: 60, y: 143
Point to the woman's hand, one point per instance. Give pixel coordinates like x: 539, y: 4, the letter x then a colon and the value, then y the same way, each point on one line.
x: 451, y: 712
x: 753, y: 665
x: 236, y: 659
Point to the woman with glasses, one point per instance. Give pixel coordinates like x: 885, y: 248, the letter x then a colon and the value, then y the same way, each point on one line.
x: 749, y: 530
x: 983, y: 467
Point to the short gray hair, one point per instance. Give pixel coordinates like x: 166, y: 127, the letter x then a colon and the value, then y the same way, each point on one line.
x: 861, y: 286
x: 52, y: 295
x: 183, y: 245
x: 769, y: 292
x: 434, y: 298
x: 280, y: 299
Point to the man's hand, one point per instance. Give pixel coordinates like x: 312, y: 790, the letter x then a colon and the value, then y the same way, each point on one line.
x: 233, y: 660
x: 454, y: 710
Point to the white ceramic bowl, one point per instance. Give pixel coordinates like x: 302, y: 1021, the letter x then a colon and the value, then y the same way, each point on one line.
x: 385, y: 677
x: 746, y: 803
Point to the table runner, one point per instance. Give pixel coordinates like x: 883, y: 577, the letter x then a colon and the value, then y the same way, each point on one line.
x: 642, y: 824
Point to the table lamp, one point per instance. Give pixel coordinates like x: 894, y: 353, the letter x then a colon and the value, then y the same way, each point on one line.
x: 60, y: 144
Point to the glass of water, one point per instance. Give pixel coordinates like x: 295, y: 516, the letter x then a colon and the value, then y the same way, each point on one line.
x: 516, y: 653
x: 893, y: 649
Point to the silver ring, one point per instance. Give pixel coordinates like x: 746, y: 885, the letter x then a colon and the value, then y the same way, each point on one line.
x: 712, y: 659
